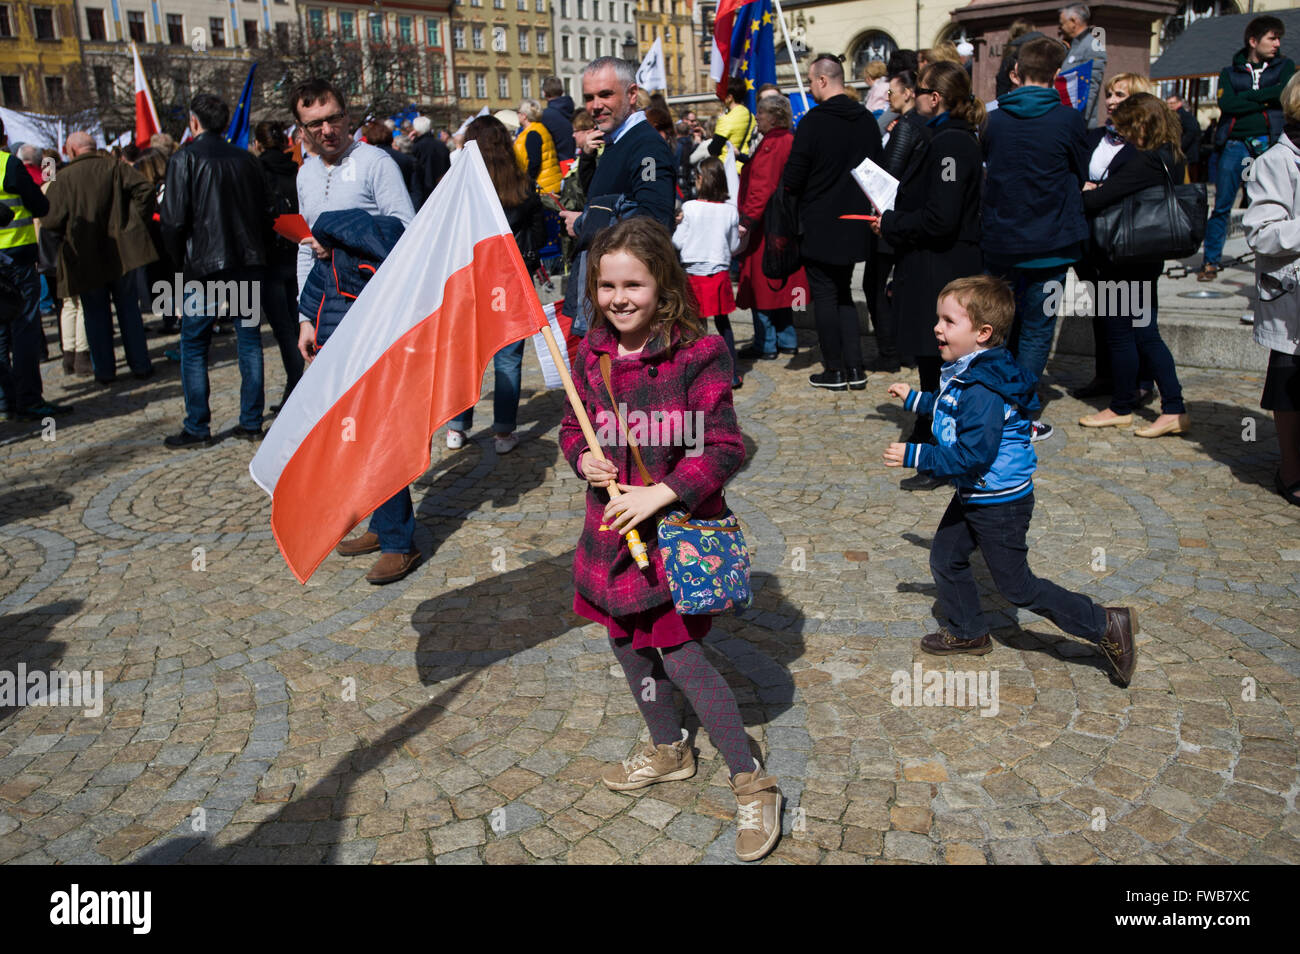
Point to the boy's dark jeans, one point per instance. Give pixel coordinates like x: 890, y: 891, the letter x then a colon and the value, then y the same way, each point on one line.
x: 998, y: 530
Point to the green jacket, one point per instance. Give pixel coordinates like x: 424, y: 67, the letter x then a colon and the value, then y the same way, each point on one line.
x: 1247, y: 109
x: 101, y: 208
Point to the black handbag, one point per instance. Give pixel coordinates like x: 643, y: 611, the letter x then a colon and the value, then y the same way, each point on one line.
x: 780, y: 236
x: 1156, y: 223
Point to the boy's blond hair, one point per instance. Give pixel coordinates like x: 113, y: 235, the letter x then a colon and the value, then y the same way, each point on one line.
x: 987, y: 300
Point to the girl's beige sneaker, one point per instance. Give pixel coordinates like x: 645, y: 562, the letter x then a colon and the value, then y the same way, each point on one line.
x: 654, y: 763
x: 758, y: 814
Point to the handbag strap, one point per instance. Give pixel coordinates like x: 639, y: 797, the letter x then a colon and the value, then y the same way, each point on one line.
x: 636, y: 453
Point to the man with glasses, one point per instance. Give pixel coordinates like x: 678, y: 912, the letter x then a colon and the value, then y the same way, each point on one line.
x: 341, y: 174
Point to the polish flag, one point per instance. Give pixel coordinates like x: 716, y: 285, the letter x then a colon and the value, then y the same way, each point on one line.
x: 146, y: 117
x: 409, y: 356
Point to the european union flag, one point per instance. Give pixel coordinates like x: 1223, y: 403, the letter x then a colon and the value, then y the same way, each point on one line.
x: 237, y: 134
x: 753, y: 50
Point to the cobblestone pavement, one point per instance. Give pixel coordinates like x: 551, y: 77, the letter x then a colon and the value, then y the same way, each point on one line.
x: 483, y: 708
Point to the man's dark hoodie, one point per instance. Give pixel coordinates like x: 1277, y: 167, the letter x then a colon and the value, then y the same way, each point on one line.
x: 831, y: 139
x: 557, y: 117
x: 1036, y: 154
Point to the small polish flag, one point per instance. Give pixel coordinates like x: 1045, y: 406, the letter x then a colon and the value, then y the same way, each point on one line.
x: 562, y: 329
x: 408, y: 356
x: 146, y: 117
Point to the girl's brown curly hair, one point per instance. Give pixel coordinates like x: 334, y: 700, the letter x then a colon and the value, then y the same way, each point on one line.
x: 649, y: 242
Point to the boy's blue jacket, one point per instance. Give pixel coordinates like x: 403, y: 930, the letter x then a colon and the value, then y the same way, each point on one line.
x: 982, y: 423
x: 358, y: 242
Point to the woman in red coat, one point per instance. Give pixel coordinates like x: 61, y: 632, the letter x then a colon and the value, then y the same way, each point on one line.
x: 772, y: 301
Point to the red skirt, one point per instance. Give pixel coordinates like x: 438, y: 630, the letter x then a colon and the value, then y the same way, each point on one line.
x: 660, y: 627
x: 713, y: 293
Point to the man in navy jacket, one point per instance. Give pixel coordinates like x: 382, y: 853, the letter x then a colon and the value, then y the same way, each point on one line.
x: 635, y: 174
x: 1033, y: 228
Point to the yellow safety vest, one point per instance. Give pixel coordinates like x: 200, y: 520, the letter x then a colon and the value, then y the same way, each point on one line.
x: 548, y: 176
x: 22, y: 230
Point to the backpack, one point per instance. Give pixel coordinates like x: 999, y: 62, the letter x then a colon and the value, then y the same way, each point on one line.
x: 781, y: 236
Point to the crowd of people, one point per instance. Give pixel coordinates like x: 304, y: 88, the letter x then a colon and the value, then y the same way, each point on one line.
x: 963, y: 273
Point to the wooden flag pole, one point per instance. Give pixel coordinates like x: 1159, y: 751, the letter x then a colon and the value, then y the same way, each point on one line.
x: 634, y: 544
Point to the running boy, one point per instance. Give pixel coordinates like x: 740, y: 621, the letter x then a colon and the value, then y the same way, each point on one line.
x: 982, y: 425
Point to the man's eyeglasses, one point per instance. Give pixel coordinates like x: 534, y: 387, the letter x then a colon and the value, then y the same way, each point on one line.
x: 335, y: 121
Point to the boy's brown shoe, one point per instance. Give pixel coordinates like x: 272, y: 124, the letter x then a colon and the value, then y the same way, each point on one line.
x: 944, y: 643
x: 758, y: 813
x: 1120, y: 642
x: 654, y: 763
x: 355, y: 546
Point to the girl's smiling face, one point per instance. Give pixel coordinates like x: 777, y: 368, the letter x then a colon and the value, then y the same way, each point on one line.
x: 627, y: 294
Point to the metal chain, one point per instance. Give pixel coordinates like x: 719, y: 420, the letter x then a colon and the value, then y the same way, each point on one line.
x: 1182, y: 271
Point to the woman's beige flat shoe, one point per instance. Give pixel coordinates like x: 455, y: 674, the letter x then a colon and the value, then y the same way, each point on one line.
x: 1179, y: 426
x: 1096, y: 420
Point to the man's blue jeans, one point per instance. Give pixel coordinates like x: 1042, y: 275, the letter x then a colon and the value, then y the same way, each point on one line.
x: 1038, y: 294
x: 774, y: 329
x: 394, y: 523
x: 507, y: 370
x: 99, y: 327
x: 20, y: 342
x: 196, y: 336
x: 1227, y: 183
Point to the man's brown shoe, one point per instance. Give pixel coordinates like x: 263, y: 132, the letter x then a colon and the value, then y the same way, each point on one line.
x: 944, y: 643
x: 758, y: 813
x: 391, y: 567
x: 1120, y: 642
x: 366, y: 543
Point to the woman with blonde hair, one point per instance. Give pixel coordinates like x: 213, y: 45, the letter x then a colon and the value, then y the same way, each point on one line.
x: 535, y: 149
x: 1133, y: 336
x: 1107, y: 152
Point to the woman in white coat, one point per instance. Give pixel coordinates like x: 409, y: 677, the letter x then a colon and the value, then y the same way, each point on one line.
x: 1272, y: 225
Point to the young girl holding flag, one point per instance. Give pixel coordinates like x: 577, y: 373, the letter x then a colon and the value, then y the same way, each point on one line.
x: 659, y: 360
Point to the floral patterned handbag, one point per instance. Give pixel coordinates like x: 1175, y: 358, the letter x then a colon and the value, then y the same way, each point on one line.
x: 706, y: 562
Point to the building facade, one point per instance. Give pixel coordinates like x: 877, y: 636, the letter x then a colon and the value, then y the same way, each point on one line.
x: 40, y: 55
x: 672, y: 22
x: 586, y: 29
x: 502, y: 50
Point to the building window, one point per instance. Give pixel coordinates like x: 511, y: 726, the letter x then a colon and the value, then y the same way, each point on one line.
x: 408, y: 83
x: 175, y: 29
x: 668, y: 34
x: 431, y: 32
x: 643, y: 33
x: 282, y: 34
x: 600, y: 44
x: 499, y: 4
x: 12, y: 89
x: 54, y: 90
x: 582, y: 11
x: 217, y: 30
x: 7, y: 23
x: 523, y: 39
x: 503, y: 85
x: 499, y: 39
x: 43, y: 18
x: 480, y: 85
x: 582, y: 47
x: 376, y: 28
x: 250, y: 34
x: 462, y: 85
x: 526, y: 86
x: 135, y: 25
x: 458, y: 40
x: 541, y: 41
x: 521, y: 6
x: 476, y: 36
x: 476, y: 3
x: 436, y: 77
x: 613, y: 12
x: 404, y: 29
x: 541, y: 6
x: 94, y: 22
x: 347, y: 24
x: 595, y: 9
x: 316, y: 23
x: 566, y: 51
x: 103, y: 82
x: 564, y: 9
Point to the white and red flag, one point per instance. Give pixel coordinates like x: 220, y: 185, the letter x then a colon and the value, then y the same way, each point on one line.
x: 722, y: 57
x: 408, y: 356
x: 146, y: 117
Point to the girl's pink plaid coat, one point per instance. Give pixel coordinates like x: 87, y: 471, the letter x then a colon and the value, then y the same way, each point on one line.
x: 695, y: 378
